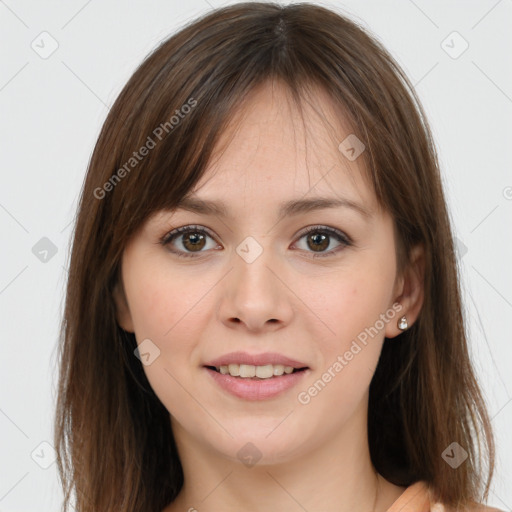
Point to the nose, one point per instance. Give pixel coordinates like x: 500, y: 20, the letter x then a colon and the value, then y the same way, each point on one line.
x: 255, y: 296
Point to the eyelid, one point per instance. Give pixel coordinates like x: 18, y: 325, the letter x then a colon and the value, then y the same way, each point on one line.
x: 341, y: 237
x: 328, y: 229
x: 164, y: 240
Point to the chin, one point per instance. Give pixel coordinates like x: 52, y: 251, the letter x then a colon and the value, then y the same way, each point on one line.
x: 254, y: 442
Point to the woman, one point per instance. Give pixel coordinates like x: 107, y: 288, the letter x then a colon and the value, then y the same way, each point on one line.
x: 263, y: 307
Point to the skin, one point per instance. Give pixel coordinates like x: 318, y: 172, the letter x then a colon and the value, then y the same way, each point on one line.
x: 314, y: 456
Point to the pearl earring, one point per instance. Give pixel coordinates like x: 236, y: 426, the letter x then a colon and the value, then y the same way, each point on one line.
x: 402, y: 324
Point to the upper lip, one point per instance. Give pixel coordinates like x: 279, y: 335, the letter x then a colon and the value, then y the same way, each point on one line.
x: 255, y: 360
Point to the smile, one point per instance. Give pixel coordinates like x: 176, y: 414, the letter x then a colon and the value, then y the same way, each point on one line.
x: 249, y: 371
x: 250, y: 386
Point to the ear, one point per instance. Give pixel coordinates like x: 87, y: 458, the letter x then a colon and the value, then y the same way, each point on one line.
x: 123, y: 315
x: 409, y: 291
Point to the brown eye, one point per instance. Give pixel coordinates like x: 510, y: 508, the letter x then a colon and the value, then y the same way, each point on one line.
x: 193, y: 241
x: 318, y: 241
x: 320, y: 238
x: 188, y: 241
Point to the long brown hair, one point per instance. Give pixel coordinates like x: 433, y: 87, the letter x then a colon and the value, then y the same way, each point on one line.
x: 113, y: 437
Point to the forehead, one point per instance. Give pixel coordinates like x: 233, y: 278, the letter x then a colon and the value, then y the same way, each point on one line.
x: 271, y: 151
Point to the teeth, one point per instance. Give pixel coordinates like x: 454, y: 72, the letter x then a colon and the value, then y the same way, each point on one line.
x: 264, y: 372
x: 248, y: 370
x: 234, y: 370
x: 278, y: 369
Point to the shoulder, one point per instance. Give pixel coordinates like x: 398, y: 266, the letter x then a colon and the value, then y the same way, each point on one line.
x: 477, y: 507
x: 471, y: 507
x: 418, y: 498
x: 438, y: 507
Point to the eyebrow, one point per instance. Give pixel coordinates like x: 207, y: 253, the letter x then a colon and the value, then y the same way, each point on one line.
x: 288, y: 208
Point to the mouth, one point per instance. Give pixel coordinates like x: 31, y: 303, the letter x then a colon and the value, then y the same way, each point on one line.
x: 256, y: 382
x: 253, y: 372
x: 256, y: 376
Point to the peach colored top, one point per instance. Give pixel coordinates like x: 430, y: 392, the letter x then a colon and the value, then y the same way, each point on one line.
x: 416, y: 498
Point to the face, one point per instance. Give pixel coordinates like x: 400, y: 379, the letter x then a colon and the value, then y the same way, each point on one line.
x: 312, y: 289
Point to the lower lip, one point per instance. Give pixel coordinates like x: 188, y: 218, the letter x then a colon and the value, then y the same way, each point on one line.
x: 250, y: 389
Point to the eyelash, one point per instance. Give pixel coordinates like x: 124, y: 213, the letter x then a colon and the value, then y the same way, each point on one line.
x: 338, y: 235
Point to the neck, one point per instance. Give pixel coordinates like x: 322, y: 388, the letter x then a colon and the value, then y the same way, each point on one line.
x: 335, y: 475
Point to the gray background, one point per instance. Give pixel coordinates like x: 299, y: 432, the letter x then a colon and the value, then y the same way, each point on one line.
x: 51, y: 111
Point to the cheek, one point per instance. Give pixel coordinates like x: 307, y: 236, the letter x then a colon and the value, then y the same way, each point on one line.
x: 353, y: 302
x: 162, y: 300
x: 351, y: 306
x: 169, y: 308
